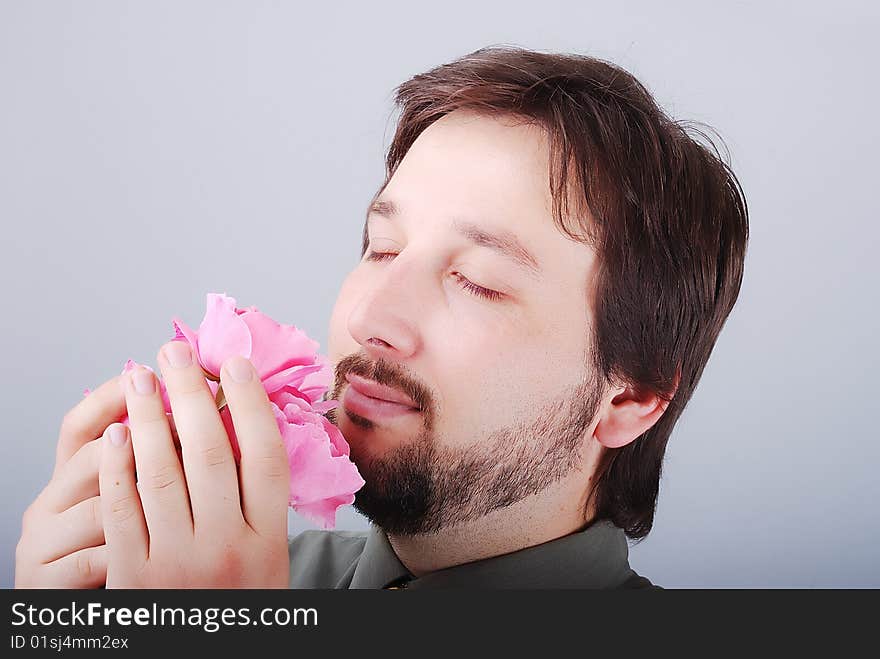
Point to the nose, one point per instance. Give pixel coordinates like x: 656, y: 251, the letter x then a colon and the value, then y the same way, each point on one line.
x: 385, y: 319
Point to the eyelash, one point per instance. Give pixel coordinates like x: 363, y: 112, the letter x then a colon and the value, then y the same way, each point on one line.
x: 469, y: 286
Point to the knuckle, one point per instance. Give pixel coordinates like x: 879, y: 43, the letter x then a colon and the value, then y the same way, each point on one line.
x: 22, y: 549
x: 215, y: 455
x: 192, y: 390
x: 69, y: 424
x: 273, y: 466
x: 162, y: 478
x: 123, y: 509
x: 27, y: 517
x: 84, y: 568
x: 94, y: 512
x: 153, y: 422
x: 31, y: 516
x: 89, y: 452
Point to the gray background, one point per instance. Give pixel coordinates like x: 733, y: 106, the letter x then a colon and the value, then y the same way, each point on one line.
x: 152, y: 152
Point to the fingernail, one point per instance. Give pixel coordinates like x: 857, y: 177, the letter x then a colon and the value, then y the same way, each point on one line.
x: 117, y: 434
x: 142, y: 380
x: 178, y: 354
x: 239, y: 368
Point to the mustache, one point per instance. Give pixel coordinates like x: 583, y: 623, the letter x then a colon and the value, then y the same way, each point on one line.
x: 383, y: 372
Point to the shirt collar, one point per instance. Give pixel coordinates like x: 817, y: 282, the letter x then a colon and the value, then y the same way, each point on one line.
x: 378, y: 565
x: 595, y: 557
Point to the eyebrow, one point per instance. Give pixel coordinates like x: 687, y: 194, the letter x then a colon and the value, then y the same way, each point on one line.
x: 501, y: 241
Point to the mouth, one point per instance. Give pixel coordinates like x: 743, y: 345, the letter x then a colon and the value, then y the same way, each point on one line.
x: 371, y: 400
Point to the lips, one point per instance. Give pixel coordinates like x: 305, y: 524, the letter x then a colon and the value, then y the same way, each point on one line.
x: 378, y: 391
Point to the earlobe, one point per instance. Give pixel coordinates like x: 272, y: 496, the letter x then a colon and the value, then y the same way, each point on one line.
x: 628, y: 415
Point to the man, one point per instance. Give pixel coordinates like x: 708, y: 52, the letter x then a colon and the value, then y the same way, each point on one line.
x: 544, y: 274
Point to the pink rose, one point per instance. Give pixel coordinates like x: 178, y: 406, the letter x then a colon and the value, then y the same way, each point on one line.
x: 296, y: 377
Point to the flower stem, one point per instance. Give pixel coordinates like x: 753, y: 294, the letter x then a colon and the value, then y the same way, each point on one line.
x: 220, y: 398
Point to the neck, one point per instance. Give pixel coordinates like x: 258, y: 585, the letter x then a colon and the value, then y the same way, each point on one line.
x: 552, y: 513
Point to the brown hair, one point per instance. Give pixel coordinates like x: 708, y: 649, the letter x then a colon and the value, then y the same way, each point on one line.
x: 664, y: 212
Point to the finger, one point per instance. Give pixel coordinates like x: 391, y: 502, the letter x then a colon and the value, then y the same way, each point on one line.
x: 125, y: 528
x: 211, y: 476
x: 89, y: 419
x: 76, y: 528
x: 86, y: 568
x: 76, y: 480
x: 265, y: 474
x: 160, y: 477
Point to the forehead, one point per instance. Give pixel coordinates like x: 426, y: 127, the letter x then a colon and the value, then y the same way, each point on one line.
x: 478, y: 162
x: 491, y: 174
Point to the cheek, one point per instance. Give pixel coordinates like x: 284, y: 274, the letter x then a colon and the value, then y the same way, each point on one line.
x: 487, y: 380
x: 494, y: 377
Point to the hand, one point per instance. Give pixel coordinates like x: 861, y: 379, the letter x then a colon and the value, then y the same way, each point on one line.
x: 62, y: 537
x: 204, y: 523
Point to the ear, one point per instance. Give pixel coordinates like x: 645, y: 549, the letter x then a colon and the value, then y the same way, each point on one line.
x: 630, y: 413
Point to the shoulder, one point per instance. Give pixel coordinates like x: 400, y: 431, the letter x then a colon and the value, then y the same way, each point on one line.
x: 636, y: 581
x: 319, y: 559
x: 328, y: 538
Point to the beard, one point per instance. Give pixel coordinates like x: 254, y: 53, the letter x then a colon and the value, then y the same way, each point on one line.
x: 421, y: 487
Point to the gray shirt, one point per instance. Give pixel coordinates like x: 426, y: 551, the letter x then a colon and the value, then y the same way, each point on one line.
x: 596, y: 557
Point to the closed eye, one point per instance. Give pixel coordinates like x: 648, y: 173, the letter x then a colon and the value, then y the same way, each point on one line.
x: 465, y: 283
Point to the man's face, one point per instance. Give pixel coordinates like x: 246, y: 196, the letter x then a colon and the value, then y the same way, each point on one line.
x: 506, y: 392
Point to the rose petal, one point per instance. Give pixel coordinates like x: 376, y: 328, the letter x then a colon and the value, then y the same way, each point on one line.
x: 293, y: 375
x: 277, y: 347
x: 323, y: 512
x: 222, y: 334
x: 319, y: 380
x: 320, y: 479
x: 324, y: 406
